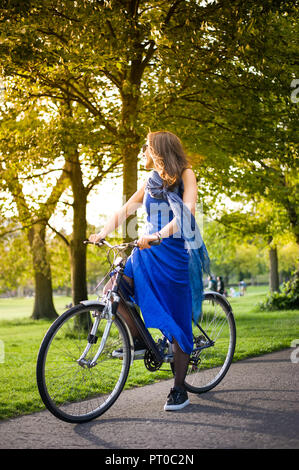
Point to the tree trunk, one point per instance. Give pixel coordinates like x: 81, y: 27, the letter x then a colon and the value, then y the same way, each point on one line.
x: 78, y: 258
x: 130, y: 153
x: 43, y: 303
x: 274, y: 277
x: 77, y: 247
x: 130, y: 146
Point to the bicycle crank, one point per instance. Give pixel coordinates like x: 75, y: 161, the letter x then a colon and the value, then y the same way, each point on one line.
x: 150, y: 362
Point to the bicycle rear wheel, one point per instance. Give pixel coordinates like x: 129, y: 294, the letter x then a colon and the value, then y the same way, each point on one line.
x: 79, y: 393
x: 214, y: 345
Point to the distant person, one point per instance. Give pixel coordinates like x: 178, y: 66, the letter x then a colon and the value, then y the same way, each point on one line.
x: 233, y: 292
x: 212, y: 284
x: 220, y: 285
x: 242, y: 287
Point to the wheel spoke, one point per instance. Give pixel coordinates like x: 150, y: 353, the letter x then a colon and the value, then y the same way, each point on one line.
x: 69, y: 390
x: 208, y: 366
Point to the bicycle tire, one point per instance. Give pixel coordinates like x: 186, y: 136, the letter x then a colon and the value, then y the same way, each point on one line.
x: 71, y: 392
x: 217, y: 321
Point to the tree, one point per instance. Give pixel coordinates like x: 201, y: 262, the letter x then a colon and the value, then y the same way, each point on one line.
x: 126, y: 62
x: 221, y: 246
x: 247, y: 127
x: 87, y: 166
x: 45, y: 133
x: 287, y: 257
x: 243, y: 120
x: 232, y: 253
x: 86, y: 51
x: 265, y: 221
x: 15, y: 259
x: 23, y: 157
x: 135, y: 64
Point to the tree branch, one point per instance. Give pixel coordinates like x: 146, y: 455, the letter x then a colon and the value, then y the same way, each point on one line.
x: 108, y: 22
x: 101, y: 175
x: 61, y: 184
x: 81, y: 98
x: 63, y: 15
x: 59, y: 234
x: 23, y: 178
x: 111, y: 77
x: 170, y: 12
x: 53, y: 33
x: 149, y: 54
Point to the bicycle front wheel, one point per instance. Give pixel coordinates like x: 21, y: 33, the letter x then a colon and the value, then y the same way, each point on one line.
x: 214, y: 345
x: 76, y: 390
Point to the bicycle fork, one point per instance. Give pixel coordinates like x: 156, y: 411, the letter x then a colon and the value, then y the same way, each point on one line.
x: 92, y: 338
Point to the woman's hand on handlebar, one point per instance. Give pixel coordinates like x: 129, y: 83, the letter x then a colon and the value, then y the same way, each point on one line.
x: 146, y: 241
x: 96, y: 237
x: 143, y: 242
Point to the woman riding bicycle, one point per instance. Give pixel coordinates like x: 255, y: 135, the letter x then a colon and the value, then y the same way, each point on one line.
x: 167, y: 278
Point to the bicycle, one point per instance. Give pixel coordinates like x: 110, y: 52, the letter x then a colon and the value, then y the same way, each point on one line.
x: 78, y: 376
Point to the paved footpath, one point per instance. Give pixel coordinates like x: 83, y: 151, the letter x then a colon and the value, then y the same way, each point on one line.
x: 255, y: 407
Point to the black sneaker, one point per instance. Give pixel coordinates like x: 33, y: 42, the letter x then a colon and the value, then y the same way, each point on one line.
x: 176, y: 400
x: 139, y: 349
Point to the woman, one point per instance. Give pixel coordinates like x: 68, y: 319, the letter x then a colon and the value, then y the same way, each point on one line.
x: 161, y: 275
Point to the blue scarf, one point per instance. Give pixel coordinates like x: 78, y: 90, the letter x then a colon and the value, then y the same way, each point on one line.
x: 199, y: 261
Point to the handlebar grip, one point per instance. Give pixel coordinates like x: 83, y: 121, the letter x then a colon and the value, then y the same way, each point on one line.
x: 87, y: 242
x: 154, y: 242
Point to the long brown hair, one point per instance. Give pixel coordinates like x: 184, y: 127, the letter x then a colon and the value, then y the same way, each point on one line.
x: 168, y: 155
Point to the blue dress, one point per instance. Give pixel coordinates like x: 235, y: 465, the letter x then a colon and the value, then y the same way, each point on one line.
x: 161, y: 277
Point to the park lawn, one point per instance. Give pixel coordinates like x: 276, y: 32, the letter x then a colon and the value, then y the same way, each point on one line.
x: 22, y: 307
x: 257, y: 333
x: 260, y: 332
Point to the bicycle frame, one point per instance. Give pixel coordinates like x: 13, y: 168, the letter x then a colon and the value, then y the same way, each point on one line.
x: 134, y: 315
x: 108, y: 310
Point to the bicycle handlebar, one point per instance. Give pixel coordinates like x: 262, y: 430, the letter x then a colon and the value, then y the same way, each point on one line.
x: 133, y: 243
x: 102, y: 242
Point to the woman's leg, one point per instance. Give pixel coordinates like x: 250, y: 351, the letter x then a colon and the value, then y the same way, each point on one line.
x: 122, y: 308
x: 181, y: 361
x: 178, y: 397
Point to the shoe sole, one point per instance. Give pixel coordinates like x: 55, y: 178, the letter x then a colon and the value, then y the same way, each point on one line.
x: 176, y: 407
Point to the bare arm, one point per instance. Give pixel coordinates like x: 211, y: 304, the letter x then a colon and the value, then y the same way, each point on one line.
x: 121, y: 215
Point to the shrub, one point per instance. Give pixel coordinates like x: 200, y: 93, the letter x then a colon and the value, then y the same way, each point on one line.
x: 287, y: 299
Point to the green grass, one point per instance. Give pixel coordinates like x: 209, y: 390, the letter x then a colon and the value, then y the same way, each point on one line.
x: 19, y: 308
x: 262, y: 332
x: 257, y: 333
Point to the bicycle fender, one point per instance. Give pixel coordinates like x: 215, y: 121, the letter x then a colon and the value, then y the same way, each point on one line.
x: 90, y: 303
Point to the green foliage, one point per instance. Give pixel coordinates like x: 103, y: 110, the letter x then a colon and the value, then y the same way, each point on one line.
x: 288, y: 256
x: 15, y: 260
x: 60, y: 263
x: 241, y: 123
x: 86, y: 80
x: 287, y: 299
x: 232, y: 253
